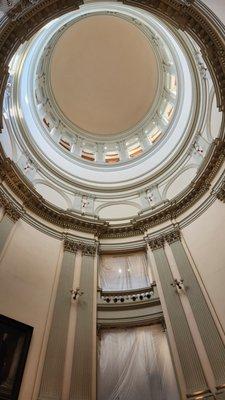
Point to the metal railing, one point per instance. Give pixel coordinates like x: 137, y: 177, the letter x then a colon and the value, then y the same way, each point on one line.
x: 127, y: 296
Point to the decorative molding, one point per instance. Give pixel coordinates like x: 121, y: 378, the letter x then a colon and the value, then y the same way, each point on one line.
x: 173, y: 236
x: 32, y: 200
x: 26, y: 17
x: 156, y: 243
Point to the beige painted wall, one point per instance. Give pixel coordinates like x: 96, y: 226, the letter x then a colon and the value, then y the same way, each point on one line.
x: 27, y: 272
x: 218, y: 7
x: 205, y: 240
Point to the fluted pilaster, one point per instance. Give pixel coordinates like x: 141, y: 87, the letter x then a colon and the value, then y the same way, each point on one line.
x: 188, y: 355
x: 52, y: 376
x: 211, y: 338
x: 82, y: 371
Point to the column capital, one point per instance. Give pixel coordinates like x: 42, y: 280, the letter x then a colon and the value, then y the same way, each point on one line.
x: 70, y: 246
x: 12, y: 212
x: 173, y: 236
x: 10, y: 209
x: 88, y: 249
x: 156, y: 243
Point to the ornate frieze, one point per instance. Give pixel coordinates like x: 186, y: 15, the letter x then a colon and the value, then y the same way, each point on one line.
x: 156, y: 243
x: 36, y: 203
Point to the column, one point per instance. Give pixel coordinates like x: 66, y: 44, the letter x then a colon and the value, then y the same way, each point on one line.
x: 190, y: 363
x: 150, y: 269
x: 10, y: 216
x: 71, y: 329
x: 53, y: 371
x: 210, y: 336
x: 83, y: 372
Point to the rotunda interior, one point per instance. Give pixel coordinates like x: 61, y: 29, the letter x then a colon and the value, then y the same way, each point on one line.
x: 112, y: 192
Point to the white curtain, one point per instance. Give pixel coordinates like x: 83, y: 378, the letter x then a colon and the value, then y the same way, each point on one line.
x: 135, y: 364
x: 123, y: 272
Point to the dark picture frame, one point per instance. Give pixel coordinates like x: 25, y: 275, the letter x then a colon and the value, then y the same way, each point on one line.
x: 15, y: 338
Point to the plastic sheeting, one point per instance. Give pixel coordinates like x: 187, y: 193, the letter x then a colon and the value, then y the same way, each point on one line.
x: 123, y: 272
x: 135, y: 364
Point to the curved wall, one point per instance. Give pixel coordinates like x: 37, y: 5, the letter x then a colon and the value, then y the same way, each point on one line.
x: 29, y: 270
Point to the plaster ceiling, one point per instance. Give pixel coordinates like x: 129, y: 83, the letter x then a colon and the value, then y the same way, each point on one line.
x: 104, y: 74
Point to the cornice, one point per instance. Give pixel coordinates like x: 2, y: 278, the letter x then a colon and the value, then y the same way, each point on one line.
x: 27, y: 17
x: 65, y: 219
x: 36, y: 203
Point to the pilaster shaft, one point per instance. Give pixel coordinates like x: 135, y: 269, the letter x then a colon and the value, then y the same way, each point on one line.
x: 188, y: 355
x: 53, y: 371
x: 82, y: 371
x: 211, y: 338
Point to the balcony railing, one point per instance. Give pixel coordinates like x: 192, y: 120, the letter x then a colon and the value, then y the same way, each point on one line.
x: 128, y: 296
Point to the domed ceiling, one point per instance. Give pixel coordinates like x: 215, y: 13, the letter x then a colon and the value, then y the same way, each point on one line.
x: 104, y: 74
x: 111, y: 111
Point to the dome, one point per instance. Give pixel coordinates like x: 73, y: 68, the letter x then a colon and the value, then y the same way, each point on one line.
x: 103, y: 75
x: 130, y: 77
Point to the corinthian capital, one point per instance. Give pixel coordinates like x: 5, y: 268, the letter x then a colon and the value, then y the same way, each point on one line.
x: 172, y: 236
x: 88, y: 249
x: 156, y: 243
x: 13, y: 213
x: 71, y: 246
